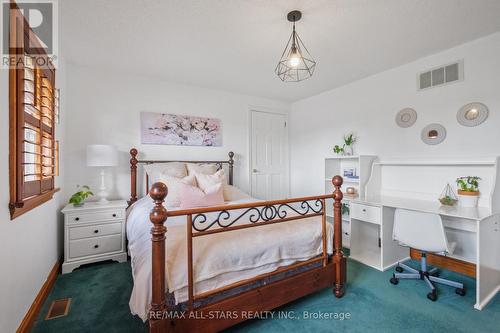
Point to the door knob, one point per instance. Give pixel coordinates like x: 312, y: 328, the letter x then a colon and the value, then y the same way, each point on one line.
x: 255, y: 170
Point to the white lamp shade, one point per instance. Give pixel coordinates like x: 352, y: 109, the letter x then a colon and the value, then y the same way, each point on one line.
x: 102, y: 155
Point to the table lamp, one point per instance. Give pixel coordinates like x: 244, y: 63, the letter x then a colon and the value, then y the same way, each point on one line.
x: 102, y: 156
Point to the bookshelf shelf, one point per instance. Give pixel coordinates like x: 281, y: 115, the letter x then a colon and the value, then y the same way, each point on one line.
x: 362, y: 165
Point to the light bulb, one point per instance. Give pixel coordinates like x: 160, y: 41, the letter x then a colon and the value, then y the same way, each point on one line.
x: 472, y: 114
x: 294, y: 60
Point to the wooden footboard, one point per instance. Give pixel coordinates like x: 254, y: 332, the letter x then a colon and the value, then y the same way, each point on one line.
x: 329, y: 271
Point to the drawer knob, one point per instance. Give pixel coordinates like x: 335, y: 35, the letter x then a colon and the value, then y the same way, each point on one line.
x: 364, y: 210
x: 114, y: 215
x: 96, y: 246
x: 77, y: 219
x: 96, y: 231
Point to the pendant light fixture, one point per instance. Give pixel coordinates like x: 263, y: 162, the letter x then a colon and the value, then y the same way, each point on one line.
x: 296, y: 63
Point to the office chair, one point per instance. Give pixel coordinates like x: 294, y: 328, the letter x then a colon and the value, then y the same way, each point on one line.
x: 425, y: 232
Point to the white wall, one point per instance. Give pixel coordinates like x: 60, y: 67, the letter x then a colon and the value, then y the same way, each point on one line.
x: 104, y: 107
x: 368, y: 108
x: 31, y: 244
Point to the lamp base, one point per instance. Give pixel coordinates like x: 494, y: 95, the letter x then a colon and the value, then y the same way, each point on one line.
x: 103, y: 193
x: 103, y: 201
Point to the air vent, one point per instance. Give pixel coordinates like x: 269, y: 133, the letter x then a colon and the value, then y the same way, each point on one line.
x: 58, y: 308
x: 441, y: 75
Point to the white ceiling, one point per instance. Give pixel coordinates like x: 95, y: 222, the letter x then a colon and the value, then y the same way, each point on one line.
x: 235, y: 45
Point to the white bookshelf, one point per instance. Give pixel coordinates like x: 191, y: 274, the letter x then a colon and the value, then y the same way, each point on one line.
x: 336, y: 166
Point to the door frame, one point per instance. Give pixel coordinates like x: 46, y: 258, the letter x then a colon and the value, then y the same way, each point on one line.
x: 284, y: 113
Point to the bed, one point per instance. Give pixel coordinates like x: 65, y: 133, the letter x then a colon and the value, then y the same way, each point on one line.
x: 212, y: 267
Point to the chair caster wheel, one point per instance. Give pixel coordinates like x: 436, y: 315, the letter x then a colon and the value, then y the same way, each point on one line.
x: 394, y: 280
x: 460, y: 291
x: 432, y: 296
x: 399, y: 269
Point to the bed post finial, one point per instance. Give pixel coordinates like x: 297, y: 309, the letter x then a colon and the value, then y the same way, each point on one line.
x: 338, y: 255
x: 231, y: 164
x: 158, y: 216
x: 133, y: 176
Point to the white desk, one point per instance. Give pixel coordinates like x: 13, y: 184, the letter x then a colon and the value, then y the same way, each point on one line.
x: 434, y: 207
x: 476, y: 231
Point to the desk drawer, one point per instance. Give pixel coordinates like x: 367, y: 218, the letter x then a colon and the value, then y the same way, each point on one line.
x: 102, y: 215
x: 365, y: 213
x: 95, y: 230
x: 93, y: 246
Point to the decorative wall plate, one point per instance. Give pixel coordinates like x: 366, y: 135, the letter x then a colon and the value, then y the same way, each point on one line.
x: 433, y: 134
x: 406, y: 117
x: 472, y: 114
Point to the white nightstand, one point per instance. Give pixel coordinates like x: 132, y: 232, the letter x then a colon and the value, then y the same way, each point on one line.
x: 94, y: 232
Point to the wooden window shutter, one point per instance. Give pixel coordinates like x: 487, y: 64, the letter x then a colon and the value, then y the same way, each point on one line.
x: 32, y: 119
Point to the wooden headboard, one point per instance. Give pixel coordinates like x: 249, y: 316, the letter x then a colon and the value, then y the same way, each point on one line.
x: 133, y: 170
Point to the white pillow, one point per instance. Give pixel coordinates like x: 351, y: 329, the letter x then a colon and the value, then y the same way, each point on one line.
x: 173, y: 198
x: 207, y: 180
x: 231, y: 193
x: 171, y: 169
x: 206, y: 169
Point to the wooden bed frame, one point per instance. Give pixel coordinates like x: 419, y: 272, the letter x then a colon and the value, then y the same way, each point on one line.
x: 230, y: 310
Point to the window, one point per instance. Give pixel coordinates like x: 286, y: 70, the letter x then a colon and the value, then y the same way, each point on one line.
x: 32, y: 103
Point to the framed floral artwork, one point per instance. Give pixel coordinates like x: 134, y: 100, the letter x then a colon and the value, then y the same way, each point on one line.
x: 180, y: 130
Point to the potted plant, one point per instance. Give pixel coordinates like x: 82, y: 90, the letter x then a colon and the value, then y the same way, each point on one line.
x: 345, y: 209
x: 338, y: 150
x: 79, y: 197
x: 448, y: 201
x: 468, y: 191
x: 448, y: 197
x: 347, y: 148
x: 349, y: 141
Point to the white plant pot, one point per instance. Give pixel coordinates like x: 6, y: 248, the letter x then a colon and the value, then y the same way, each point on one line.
x: 468, y: 200
x: 348, y: 150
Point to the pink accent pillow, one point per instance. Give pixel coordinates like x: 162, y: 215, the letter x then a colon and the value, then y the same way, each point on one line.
x: 192, y: 196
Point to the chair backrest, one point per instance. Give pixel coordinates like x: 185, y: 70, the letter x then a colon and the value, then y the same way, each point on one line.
x: 419, y: 230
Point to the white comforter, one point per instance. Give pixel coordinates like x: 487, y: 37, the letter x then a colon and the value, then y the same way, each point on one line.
x: 219, y: 259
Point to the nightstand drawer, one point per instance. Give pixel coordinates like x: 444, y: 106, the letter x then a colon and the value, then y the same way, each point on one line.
x: 365, y: 213
x: 103, y: 215
x: 97, y: 245
x: 94, y: 230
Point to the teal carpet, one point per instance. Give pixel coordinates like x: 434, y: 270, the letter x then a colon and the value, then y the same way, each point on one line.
x: 100, y: 295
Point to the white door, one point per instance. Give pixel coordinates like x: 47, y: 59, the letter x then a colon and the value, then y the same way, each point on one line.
x: 269, y: 155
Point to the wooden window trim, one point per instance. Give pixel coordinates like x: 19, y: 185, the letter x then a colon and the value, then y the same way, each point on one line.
x: 31, y: 203
x: 20, y: 32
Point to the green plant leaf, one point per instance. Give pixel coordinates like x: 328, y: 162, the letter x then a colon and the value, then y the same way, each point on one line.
x: 83, y: 193
x: 469, y: 183
x: 338, y: 149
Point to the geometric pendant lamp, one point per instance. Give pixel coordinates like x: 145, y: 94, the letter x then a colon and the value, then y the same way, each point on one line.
x: 296, y: 63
